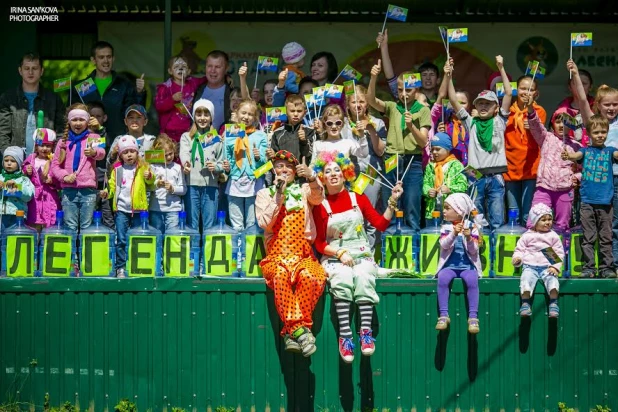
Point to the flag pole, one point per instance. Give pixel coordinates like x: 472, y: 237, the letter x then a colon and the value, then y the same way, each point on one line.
x: 355, y: 99
x: 383, y: 25
x: 407, y: 167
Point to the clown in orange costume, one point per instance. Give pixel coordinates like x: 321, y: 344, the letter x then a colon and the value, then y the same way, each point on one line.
x: 290, y: 268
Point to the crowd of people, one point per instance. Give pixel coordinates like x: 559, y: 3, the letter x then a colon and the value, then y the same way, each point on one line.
x: 468, y: 159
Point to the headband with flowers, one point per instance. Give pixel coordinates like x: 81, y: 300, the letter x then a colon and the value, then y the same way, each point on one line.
x: 344, y: 162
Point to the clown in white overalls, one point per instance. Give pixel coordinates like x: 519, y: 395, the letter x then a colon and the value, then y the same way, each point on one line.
x: 347, y: 257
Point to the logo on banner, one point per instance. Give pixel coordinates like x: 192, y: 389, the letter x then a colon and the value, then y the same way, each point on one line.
x: 538, y: 49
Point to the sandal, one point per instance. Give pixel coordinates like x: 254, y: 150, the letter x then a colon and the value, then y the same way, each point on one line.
x: 443, y: 322
x: 554, y: 310
x: 473, y: 326
x: 525, y: 310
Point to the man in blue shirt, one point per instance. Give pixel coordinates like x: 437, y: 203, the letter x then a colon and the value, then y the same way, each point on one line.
x: 216, y: 89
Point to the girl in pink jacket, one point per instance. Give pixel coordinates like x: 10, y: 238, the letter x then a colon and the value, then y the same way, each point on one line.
x: 45, y: 202
x: 459, y: 257
x: 556, y: 180
x: 171, y: 95
x: 74, y: 165
x: 541, y: 253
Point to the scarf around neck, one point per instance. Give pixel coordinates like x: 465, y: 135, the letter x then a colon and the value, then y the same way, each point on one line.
x: 196, y: 148
x: 439, y: 180
x: 519, y: 115
x: 293, y: 196
x: 402, y: 110
x: 11, y: 176
x: 76, y: 140
x: 484, y: 132
x: 242, y: 147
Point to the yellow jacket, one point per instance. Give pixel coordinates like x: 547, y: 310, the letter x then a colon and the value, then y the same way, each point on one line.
x: 139, y: 196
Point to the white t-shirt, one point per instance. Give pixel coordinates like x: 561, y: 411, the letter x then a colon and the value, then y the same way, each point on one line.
x: 160, y: 199
x: 124, y: 194
x: 39, y: 163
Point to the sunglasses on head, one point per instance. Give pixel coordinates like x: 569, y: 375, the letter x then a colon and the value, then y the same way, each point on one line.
x: 337, y: 123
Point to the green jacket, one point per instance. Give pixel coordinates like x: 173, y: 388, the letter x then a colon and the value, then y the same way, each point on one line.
x: 139, y: 196
x: 454, y: 179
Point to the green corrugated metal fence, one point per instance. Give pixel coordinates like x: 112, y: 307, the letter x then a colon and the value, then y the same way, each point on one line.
x: 202, y: 344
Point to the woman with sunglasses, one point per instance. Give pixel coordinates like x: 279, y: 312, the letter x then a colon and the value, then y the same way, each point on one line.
x: 329, y: 130
x: 346, y: 255
x: 290, y: 268
x: 360, y: 123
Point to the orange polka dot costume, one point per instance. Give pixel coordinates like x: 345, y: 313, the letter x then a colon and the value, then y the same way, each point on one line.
x: 290, y: 268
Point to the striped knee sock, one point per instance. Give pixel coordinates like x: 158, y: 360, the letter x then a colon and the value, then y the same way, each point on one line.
x: 343, y: 314
x: 366, y: 314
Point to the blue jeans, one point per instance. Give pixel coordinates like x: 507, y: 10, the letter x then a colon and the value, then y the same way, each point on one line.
x: 242, y: 212
x: 201, y: 201
x: 124, y: 221
x: 78, y: 206
x: 491, y: 192
x: 8, y: 221
x: 163, y: 221
x: 519, y: 195
x: 410, y: 202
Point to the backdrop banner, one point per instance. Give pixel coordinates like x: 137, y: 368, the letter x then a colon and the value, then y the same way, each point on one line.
x: 139, y: 49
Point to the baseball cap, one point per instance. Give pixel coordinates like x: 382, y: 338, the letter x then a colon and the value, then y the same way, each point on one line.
x: 136, y: 108
x: 486, y: 95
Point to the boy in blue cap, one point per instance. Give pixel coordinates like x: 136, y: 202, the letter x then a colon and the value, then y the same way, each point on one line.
x: 135, y: 118
x: 444, y: 173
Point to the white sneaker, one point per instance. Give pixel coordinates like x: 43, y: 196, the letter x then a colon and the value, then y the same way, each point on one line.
x: 120, y: 273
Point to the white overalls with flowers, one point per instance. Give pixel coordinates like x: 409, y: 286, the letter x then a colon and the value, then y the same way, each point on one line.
x: 346, y: 231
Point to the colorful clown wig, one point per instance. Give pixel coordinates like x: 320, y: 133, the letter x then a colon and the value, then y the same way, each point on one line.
x: 344, y: 162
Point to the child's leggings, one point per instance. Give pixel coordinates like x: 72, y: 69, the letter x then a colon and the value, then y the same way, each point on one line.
x: 560, y: 201
x: 470, y: 278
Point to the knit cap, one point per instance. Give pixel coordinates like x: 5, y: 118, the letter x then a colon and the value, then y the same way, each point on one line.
x: 16, y: 153
x: 44, y: 136
x: 537, y: 212
x: 293, y: 53
x: 442, y: 140
x: 206, y: 104
x: 461, y: 203
x: 126, y: 142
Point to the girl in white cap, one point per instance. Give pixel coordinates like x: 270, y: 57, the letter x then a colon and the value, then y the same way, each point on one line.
x: 459, y: 257
x: 541, y: 253
x: 202, y: 154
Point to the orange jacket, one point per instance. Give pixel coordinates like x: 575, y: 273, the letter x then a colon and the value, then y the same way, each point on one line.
x: 522, y: 151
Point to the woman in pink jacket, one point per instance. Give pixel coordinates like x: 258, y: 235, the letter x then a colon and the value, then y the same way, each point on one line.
x: 74, y: 165
x: 177, y: 91
x: 556, y: 180
x: 43, y: 206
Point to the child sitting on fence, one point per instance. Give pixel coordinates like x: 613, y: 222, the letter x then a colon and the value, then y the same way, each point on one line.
x: 459, y: 257
x: 541, y: 253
